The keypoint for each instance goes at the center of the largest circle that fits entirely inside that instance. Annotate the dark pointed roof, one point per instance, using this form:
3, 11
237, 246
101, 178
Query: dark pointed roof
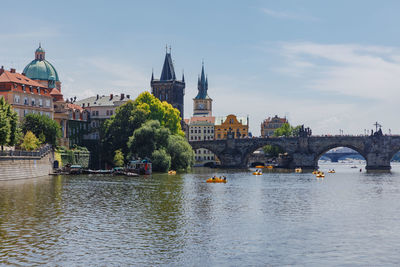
168, 72
202, 85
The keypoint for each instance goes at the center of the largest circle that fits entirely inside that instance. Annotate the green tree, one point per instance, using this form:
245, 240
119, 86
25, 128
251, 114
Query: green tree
167, 115
30, 141
151, 136
287, 130
116, 131
182, 155
118, 158
5, 129
42, 124
273, 151
161, 160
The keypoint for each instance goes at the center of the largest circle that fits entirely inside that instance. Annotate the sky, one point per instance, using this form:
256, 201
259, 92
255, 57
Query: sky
330, 65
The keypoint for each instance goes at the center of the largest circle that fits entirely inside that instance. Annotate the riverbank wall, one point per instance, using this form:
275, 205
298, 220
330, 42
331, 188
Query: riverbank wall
16, 167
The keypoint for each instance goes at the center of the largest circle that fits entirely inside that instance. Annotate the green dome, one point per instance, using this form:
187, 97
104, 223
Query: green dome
41, 70
40, 49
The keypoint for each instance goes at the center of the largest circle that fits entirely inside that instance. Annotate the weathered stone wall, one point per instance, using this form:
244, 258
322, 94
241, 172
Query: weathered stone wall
13, 168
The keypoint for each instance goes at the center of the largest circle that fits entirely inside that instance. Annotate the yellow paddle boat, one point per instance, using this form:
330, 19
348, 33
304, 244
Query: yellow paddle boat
259, 167
320, 175
270, 167
315, 172
171, 172
331, 171
216, 180
298, 170
257, 172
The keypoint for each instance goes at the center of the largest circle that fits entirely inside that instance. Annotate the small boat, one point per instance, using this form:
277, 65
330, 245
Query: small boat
331, 171
315, 172
216, 180
171, 172
354, 167
259, 167
270, 167
258, 172
320, 174
298, 170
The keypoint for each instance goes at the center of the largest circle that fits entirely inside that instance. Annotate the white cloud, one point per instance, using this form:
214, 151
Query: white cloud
362, 71
110, 75
287, 15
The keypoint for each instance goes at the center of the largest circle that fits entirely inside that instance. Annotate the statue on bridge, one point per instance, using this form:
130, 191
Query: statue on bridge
304, 132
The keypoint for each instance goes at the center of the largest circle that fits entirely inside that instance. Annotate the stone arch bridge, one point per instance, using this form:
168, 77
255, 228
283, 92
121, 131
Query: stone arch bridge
304, 152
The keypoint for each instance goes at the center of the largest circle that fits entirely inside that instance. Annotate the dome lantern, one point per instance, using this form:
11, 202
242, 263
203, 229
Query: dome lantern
39, 53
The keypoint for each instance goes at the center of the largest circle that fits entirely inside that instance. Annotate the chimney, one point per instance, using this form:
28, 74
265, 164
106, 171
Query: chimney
97, 97
128, 96
1, 70
122, 96
12, 70
83, 105
88, 104
111, 96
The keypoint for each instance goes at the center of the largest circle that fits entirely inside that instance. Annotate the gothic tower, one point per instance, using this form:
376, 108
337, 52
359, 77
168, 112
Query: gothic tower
168, 88
202, 103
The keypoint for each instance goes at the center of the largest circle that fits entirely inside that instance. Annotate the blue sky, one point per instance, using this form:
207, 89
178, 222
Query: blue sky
327, 64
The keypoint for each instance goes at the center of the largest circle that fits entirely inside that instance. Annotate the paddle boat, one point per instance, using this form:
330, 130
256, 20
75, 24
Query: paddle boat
270, 167
320, 175
331, 171
298, 170
171, 172
259, 167
216, 180
258, 172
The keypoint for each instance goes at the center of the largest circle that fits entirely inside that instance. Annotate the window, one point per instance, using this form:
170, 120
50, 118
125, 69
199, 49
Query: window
93, 113
47, 103
16, 98
40, 102
33, 101
38, 90
26, 101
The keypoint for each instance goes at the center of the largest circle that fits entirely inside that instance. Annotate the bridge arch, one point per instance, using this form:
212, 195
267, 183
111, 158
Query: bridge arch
249, 152
327, 148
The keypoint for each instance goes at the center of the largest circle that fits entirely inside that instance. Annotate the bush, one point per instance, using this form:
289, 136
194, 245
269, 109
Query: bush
118, 158
30, 141
42, 125
161, 160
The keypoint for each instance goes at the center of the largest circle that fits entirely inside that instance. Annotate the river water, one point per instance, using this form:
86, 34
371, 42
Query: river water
347, 218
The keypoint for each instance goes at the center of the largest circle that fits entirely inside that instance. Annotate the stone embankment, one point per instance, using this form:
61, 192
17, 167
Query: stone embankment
26, 165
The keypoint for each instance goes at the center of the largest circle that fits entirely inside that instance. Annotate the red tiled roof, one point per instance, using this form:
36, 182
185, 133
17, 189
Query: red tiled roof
74, 106
55, 92
8, 76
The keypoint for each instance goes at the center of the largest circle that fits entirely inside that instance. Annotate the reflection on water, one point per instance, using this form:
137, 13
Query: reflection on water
279, 218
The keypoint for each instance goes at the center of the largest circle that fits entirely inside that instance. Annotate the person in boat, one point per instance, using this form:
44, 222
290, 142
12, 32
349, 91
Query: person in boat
224, 178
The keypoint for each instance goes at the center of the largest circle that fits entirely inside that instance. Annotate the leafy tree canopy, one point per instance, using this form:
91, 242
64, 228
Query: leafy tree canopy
42, 125
287, 130
163, 148
9, 130
30, 141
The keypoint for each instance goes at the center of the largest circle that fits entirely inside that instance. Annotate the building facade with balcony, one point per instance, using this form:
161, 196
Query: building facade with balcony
25, 95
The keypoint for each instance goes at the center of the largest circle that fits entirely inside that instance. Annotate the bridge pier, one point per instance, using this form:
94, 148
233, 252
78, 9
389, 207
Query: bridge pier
378, 162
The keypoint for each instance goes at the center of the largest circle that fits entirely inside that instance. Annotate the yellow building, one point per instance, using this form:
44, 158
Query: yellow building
237, 126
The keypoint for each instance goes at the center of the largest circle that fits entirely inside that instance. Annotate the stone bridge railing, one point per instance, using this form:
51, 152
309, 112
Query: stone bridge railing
40, 153
305, 151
